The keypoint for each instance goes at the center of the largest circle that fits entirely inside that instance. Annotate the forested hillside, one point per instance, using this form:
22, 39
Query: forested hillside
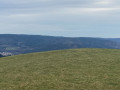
18, 44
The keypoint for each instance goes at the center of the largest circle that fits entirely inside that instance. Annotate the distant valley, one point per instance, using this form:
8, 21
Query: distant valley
12, 44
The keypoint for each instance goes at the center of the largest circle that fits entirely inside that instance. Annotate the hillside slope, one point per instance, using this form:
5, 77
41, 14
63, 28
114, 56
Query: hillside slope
18, 44
77, 69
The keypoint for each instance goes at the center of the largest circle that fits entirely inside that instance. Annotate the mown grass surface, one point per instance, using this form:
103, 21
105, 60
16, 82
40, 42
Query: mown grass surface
77, 69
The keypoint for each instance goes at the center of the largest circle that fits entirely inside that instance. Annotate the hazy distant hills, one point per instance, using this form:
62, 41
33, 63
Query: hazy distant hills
115, 39
17, 44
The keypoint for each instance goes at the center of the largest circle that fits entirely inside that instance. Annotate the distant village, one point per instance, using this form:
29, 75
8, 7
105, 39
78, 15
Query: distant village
4, 54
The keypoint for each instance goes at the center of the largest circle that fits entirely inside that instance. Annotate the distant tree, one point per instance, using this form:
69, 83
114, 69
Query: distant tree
1, 55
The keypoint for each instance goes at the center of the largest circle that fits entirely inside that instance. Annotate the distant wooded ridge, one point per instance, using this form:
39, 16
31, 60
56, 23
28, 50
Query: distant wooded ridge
18, 44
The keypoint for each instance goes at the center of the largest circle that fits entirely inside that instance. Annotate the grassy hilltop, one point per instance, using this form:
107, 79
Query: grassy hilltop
75, 69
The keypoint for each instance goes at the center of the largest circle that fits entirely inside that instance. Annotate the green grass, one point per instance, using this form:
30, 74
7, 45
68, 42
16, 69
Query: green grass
77, 69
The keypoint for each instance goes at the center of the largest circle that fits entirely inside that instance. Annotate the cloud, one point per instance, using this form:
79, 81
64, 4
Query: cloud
104, 2
53, 3
83, 16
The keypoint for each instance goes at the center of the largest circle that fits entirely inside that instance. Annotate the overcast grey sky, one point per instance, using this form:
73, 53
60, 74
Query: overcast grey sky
74, 18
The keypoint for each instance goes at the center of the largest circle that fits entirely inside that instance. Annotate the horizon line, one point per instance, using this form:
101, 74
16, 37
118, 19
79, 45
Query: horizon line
57, 35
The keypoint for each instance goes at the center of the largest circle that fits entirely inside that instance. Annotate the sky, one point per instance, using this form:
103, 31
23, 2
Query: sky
69, 18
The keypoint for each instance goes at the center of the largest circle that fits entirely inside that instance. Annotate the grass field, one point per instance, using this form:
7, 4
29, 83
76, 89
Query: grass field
77, 69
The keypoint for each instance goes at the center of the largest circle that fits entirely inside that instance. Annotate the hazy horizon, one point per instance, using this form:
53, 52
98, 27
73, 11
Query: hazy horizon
68, 18
58, 36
